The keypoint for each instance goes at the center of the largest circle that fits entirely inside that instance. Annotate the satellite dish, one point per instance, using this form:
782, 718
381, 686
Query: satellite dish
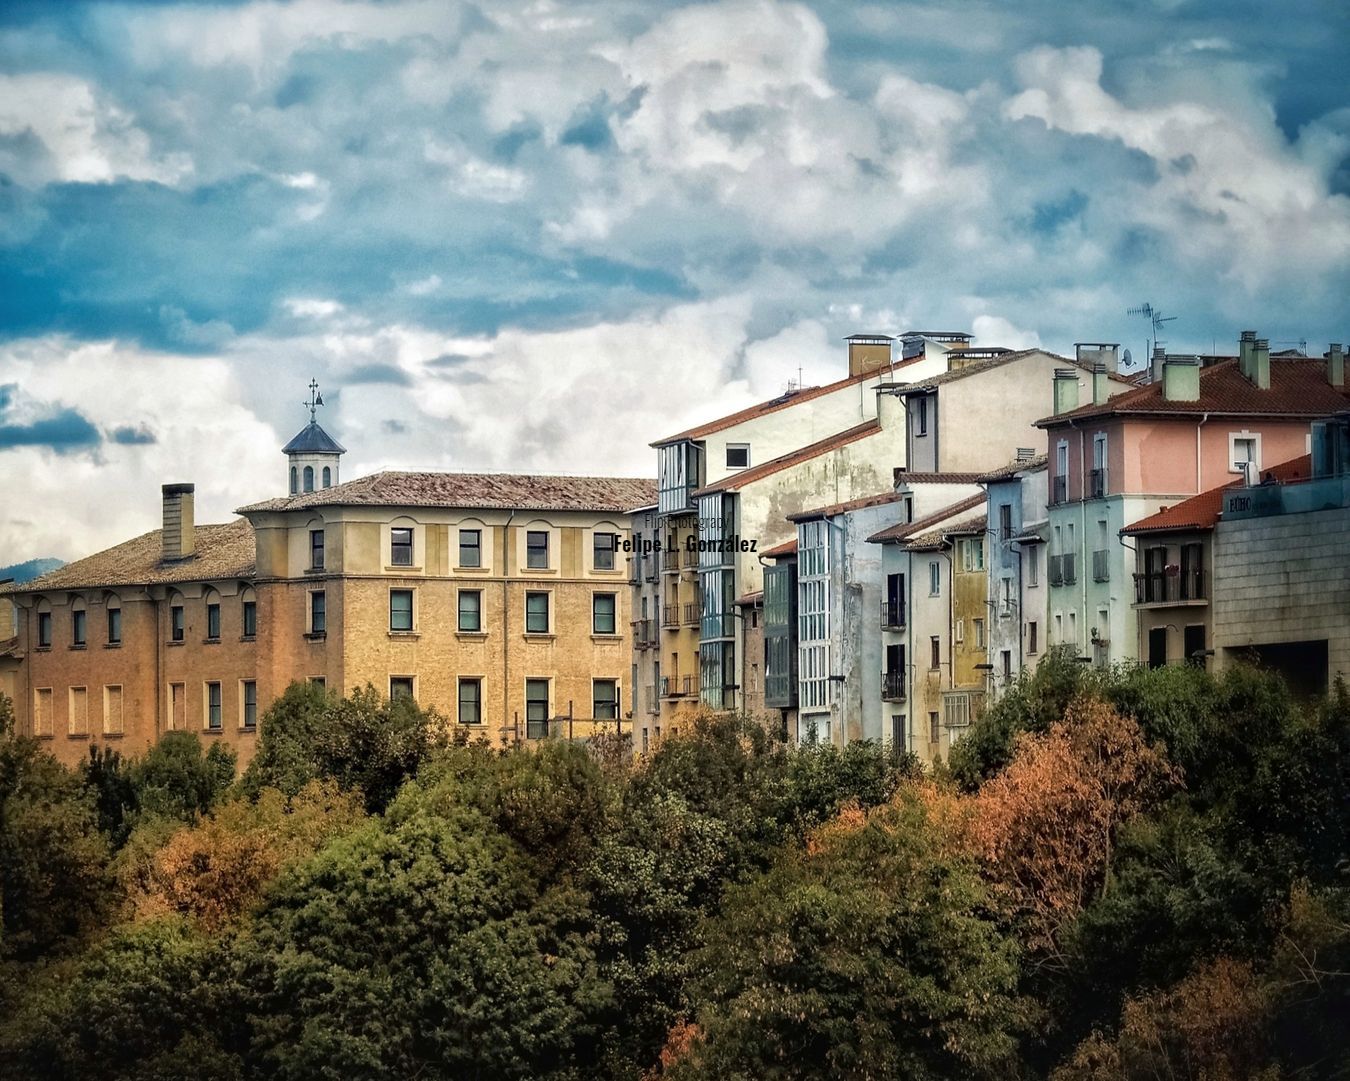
1126, 360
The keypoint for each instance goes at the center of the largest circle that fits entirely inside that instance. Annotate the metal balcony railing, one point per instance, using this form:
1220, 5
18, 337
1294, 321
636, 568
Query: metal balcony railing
892, 615
691, 614
670, 559
1101, 566
642, 633
670, 615
1096, 483
1160, 587
1059, 490
677, 686
892, 686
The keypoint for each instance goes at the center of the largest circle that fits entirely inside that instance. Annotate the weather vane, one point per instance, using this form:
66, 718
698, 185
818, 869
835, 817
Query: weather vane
315, 399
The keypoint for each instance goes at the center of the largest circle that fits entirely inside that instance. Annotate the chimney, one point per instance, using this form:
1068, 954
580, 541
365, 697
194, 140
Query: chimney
1090, 353
868, 353
1260, 373
1336, 366
1155, 369
179, 535
1100, 386
1065, 390
1181, 379
1246, 343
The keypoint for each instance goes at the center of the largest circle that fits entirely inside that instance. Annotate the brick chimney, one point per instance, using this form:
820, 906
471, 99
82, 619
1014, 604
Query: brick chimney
1260, 373
1065, 390
1181, 379
1336, 366
179, 534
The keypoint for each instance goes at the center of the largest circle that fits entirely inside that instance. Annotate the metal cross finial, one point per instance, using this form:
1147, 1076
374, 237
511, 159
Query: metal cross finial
315, 399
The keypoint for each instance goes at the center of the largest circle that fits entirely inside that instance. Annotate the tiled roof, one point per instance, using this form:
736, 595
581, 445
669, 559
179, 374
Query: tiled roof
905, 530
502, 491
830, 511
736, 481
313, 440
787, 548
936, 538
783, 401
1298, 388
222, 551
1201, 511
1007, 472
747, 599
9, 647
903, 476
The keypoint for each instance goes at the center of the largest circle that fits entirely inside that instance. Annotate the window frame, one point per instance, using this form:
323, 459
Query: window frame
318, 612
477, 613
114, 620
215, 710
934, 578
44, 630
935, 653
532, 683
408, 683
476, 547
548, 611
177, 623
79, 628
316, 549
400, 593
248, 710
532, 549
108, 697
213, 621
738, 447
613, 599
605, 544
476, 683
248, 619
614, 704
401, 552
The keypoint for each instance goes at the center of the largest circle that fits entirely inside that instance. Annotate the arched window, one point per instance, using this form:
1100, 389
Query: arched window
112, 604
309, 478
295, 480
327, 477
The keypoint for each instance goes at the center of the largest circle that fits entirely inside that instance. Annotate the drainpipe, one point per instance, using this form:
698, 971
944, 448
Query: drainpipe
1082, 524
506, 621
1199, 485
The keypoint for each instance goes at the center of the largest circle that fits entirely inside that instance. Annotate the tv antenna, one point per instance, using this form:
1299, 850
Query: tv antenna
1154, 316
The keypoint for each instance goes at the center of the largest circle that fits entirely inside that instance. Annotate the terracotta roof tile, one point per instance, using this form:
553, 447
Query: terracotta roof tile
936, 538
1298, 388
787, 548
879, 500
222, 551
748, 599
904, 530
1201, 511
1007, 472
476, 490
903, 476
736, 481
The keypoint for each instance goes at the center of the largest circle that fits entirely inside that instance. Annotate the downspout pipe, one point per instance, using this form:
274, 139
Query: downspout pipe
506, 623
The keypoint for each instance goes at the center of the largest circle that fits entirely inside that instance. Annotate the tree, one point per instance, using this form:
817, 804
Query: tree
177, 780
110, 778
868, 956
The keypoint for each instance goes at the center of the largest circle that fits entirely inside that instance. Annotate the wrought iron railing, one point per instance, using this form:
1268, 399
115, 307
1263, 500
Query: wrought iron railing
892, 615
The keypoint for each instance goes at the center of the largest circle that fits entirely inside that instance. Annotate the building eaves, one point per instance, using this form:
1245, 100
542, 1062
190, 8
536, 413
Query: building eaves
1013, 469
787, 548
1298, 388
747, 600
862, 503
312, 439
222, 552
737, 481
903, 531
476, 491
903, 476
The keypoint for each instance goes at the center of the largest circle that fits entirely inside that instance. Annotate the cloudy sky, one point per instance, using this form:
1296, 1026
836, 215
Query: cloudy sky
535, 236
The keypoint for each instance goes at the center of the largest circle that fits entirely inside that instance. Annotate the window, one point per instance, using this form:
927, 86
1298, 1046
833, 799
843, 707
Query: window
923, 414
327, 477
400, 609
309, 478
213, 707
316, 549
470, 547
176, 623
738, 455
77, 627
249, 703
1245, 455
934, 729
78, 721
602, 551
213, 622
318, 613
934, 578
1032, 630
400, 547
536, 548
112, 710
1006, 656
471, 610
470, 701
42, 711
44, 630
536, 613
935, 652
250, 619
1073, 628
972, 553
177, 706
400, 687
979, 633
1033, 559
606, 695
114, 626
536, 708
295, 481
602, 613
1005, 521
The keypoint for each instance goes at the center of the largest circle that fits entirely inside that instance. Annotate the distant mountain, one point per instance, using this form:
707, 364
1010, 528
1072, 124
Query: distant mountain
26, 572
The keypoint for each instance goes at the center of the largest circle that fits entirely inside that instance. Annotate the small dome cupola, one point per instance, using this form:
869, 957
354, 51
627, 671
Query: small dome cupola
312, 456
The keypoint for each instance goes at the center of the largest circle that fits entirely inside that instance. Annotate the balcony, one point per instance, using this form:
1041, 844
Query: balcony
670, 559
1160, 587
691, 614
1096, 484
1063, 570
892, 615
644, 637
780, 690
670, 615
677, 686
1059, 490
892, 686
1101, 566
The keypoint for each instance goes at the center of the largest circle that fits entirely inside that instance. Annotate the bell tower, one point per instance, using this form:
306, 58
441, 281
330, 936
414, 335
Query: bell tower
312, 456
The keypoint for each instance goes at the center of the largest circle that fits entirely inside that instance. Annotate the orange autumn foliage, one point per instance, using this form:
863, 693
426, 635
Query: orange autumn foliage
679, 1041
1045, 827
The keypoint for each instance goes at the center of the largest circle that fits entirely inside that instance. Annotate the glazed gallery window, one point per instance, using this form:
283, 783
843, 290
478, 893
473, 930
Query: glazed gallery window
400, 609
536, 549
470, 547
400, 547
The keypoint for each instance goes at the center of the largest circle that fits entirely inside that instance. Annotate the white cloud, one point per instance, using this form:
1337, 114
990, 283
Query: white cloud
475, 178
85, 137
994, 330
